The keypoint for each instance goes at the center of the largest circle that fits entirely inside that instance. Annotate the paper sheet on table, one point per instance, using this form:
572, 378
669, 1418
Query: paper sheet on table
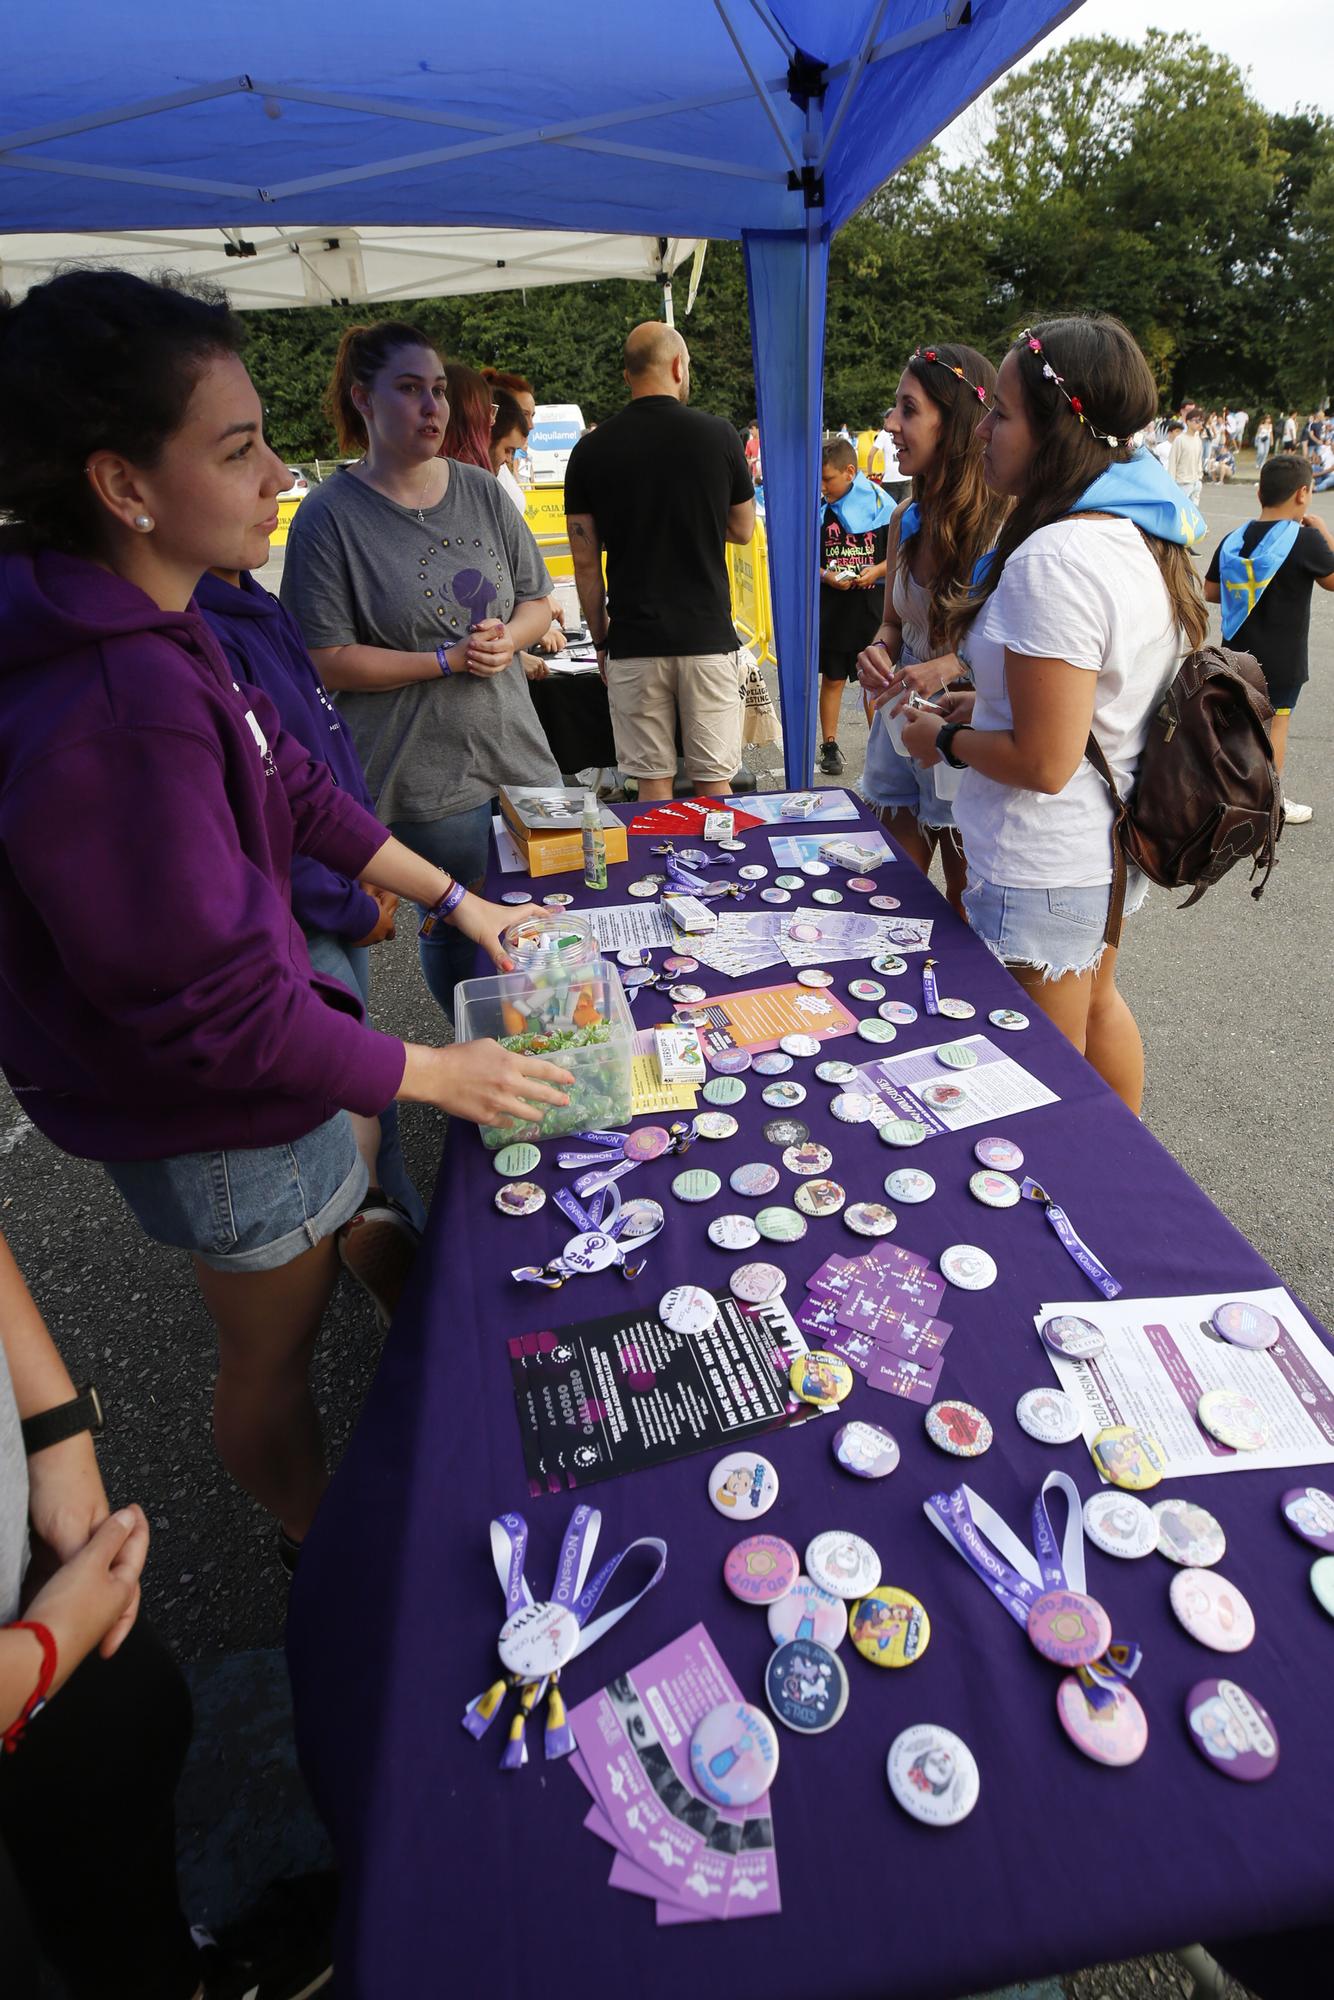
833, 805
1161, 1356
749, 941
622, 926
790, 850
950, 1100
648, 1092
508, 851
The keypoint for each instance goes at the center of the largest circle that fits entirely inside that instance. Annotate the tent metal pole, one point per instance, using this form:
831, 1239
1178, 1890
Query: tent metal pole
759, 88
850, 88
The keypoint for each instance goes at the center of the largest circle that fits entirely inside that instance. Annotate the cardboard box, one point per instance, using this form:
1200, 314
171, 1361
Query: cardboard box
680, 1058
545, 824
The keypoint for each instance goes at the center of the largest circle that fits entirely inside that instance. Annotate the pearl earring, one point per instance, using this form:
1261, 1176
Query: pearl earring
143, 522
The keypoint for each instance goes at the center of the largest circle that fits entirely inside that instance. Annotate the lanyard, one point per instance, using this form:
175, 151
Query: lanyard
1088, 1263
930, 997
596, 1247
574, 1594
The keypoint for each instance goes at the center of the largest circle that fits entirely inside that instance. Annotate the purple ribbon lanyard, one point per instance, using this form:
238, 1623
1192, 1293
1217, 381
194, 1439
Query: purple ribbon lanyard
930, 997
597, 1245
1088, 1263
509, 1546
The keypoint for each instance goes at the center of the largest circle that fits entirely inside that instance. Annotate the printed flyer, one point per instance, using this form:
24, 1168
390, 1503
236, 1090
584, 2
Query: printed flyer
1163, 1354
623, 1392
760, 1016
946, 1099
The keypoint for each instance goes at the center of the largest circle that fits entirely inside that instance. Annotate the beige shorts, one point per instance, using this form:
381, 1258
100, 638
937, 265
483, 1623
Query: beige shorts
647, 694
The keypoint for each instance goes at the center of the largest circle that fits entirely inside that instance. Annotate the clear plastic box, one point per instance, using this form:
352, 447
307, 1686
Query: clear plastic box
568, 1006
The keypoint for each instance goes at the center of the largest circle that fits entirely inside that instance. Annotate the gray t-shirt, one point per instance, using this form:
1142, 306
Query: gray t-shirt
361, 570
13, 1499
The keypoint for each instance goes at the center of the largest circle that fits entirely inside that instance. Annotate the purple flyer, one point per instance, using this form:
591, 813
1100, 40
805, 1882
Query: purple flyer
837, 1274
881, 1369
634, 1759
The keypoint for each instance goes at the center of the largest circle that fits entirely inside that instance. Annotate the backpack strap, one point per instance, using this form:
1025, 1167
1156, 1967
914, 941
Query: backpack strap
1116, 902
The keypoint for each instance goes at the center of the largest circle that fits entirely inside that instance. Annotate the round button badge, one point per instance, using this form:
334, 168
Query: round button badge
866, 989
715, 1125
752, 871
1000, 1153
1116, 1733
1234, 1418
819, 1197
1128, 1457
958, 1428
1069, 1627
679, 963
696, 1184
1009, 1018
870, 1218
786, 1131
687, 1309
1231, 1730
515, 1163
520, 1198
516, 896
885, 903
910, 1184
814, 975
866, 1450
968, 1267
863, 884
853, 1107
784, 1095
873, 1029
889, 1627
834, 1071
757, 1283
808, 1612
734, 1754
1078, 1338
807, 1156
789, 882
743, 1485
761, 1569
933, 1774
993, 1189
1188, 1534
1048, 1415
903, 1132
1120, 1525
826, 897
755, 1177
1212, 1610
733, 1232
557, 900
957, 1010
640, 1217
1322, 1583
899, 1013
842, 1563
806, 1686
640, 888
822, 1379
780, 1225
592, 1250
730, 1062
1309, 1512
957, 1055
889, 965
1245, 1325
800, 1045
538, 1640
775, 895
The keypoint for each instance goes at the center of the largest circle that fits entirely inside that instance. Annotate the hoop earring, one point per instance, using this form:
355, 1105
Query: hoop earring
144, 522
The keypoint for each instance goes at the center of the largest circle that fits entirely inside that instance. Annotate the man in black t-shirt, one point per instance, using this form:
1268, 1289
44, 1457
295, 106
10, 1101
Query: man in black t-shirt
662, 489
854, 535
1278, 595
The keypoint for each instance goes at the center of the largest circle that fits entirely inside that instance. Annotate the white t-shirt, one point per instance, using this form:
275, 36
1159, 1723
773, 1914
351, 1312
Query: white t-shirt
889, 458
509, 484
1091, 593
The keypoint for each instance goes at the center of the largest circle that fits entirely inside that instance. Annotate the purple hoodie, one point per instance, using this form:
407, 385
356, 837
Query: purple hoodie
263, 645
156, 995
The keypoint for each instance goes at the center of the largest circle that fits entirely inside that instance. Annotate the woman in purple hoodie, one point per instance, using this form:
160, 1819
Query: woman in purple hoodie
158, 1009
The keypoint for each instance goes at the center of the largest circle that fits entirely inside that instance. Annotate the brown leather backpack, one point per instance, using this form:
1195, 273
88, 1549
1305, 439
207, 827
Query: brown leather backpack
1206, 794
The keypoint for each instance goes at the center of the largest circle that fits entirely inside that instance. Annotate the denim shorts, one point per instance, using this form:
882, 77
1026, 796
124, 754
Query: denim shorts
250, 1210
1051, 931
895, 783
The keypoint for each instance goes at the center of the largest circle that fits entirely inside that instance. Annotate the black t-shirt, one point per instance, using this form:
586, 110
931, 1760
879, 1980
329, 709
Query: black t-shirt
1278, 628
849, 619
659, 479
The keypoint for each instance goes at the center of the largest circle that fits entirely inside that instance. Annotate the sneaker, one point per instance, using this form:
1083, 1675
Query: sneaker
831, 758
378, 1248
1296, 815
282, 1949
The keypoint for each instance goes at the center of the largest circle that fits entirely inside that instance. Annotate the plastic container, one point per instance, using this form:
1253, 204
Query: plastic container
562, 1001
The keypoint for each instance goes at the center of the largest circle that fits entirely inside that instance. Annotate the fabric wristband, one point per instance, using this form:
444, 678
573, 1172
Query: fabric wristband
441, 911
36, 1701
442, 661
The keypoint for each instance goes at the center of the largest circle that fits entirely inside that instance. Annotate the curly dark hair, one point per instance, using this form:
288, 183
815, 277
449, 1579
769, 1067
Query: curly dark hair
135, 347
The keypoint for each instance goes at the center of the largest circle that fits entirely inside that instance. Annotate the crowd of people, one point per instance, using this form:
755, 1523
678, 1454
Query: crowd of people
212, 802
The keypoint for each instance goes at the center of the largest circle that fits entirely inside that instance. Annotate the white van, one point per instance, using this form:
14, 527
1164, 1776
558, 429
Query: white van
557, 428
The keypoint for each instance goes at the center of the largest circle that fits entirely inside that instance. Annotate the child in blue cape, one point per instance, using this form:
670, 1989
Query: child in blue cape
854, 532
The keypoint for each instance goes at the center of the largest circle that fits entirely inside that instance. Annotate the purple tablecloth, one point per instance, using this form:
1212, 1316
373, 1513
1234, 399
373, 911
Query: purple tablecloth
460, 1879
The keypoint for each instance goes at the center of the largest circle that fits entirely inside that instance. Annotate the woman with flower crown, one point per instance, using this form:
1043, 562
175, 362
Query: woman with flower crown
1077, 625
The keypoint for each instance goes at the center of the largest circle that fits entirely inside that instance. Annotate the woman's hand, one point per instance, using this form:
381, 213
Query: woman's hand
552, 640
387, 903
876, 669
535, 669
483, 922
835, 579
919, 735
927, 678
490, 648
482, 1081
93, 1599
67, 1501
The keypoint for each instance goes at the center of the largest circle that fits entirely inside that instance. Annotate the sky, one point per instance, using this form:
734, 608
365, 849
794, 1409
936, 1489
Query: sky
1286, 48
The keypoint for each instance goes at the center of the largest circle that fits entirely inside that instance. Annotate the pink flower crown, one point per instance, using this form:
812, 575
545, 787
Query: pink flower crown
1030, 340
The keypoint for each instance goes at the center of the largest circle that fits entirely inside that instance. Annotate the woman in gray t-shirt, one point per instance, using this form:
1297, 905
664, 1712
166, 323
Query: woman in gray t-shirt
416, 585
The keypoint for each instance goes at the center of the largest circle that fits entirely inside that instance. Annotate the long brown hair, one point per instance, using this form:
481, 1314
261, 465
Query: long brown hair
468, 432
961, 516
362, 352
1101, 366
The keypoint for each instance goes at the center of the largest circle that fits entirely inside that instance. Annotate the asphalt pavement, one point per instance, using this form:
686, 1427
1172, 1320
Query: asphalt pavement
1233, 1000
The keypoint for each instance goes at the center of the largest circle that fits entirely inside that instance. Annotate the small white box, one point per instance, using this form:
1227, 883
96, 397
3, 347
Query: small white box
689, 914
799, 805
854, 855
680, 1057
719, 825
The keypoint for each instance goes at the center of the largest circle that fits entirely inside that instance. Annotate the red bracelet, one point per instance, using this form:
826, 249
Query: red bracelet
36, 1701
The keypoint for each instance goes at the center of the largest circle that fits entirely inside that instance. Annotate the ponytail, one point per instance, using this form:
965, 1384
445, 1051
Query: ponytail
362, 352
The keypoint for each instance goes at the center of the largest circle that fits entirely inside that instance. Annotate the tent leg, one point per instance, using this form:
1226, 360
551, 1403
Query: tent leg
786, 275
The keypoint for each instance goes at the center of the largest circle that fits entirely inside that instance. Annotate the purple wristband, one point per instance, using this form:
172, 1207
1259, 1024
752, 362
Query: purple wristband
439, 912
442, 661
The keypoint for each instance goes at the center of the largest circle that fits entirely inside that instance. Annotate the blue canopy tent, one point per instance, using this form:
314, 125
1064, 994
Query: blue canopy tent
767, 121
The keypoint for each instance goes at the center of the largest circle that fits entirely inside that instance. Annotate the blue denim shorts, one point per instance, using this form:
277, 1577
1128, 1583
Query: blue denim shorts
1051, 931
248, 1210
